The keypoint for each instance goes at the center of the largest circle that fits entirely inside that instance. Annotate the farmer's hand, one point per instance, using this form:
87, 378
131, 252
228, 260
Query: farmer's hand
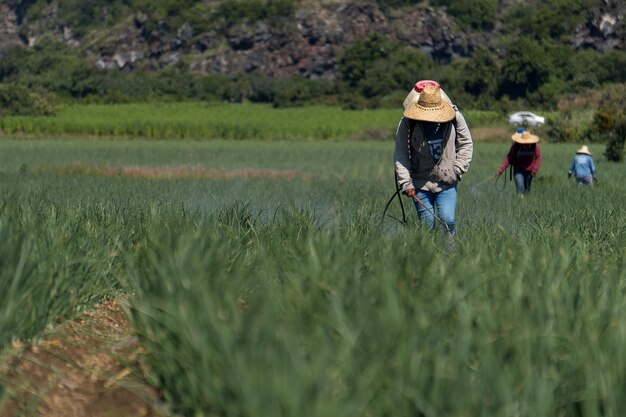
410, 192
569, 175
533, 174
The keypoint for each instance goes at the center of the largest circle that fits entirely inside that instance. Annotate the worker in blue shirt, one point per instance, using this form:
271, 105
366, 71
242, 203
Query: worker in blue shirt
583, 167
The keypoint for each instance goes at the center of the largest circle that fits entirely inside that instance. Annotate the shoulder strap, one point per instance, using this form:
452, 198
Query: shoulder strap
456, 109
412, 124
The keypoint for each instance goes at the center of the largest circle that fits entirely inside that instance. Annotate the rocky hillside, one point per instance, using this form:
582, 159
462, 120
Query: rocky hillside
306, 42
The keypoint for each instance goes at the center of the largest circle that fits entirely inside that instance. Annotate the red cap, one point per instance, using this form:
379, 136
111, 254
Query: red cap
419, 86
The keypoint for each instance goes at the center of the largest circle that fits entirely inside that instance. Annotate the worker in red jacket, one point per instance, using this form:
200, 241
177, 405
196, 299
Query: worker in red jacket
525, 158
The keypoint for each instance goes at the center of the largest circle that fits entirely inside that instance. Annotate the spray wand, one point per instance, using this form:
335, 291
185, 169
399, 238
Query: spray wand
421, 203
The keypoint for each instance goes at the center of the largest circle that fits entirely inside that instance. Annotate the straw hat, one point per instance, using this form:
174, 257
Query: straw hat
584, 150
524, 137
430, 107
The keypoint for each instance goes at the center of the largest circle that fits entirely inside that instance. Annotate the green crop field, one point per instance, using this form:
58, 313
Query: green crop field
195, 120
261, 283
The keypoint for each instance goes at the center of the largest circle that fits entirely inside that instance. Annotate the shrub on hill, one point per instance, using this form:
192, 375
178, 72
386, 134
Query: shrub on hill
20, 101
548, 19
476, 14
378, 65
50, 65
565, 128
475, 72
233, 12
78, 15
525, 67
609, 122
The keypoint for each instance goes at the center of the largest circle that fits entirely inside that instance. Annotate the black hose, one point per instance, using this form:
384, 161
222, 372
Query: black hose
395, 194
500, 188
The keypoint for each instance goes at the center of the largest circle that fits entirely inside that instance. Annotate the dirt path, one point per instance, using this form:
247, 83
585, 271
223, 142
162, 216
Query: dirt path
86, 367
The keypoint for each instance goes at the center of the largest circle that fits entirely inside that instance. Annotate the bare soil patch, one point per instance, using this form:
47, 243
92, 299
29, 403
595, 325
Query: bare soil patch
87, 367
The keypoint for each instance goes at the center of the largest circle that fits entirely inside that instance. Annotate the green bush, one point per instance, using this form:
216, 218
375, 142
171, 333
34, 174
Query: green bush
378, 65
233, 12
16, 100
583, 70
551, 19
549, 92
399, 71
357, 57
393, 4
609, 121
564, 128
610, 66
161, 8
477, 73
525, 67
81, 16
475, 14
52, 66
296, 91
209, 87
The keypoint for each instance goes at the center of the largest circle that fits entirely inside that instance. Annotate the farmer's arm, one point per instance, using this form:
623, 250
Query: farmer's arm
401, 155
464, 146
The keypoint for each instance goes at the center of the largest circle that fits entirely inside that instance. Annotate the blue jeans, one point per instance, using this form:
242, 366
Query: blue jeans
523, 180
445, 204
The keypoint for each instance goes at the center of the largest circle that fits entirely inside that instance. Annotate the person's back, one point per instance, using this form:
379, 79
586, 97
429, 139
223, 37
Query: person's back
583, 167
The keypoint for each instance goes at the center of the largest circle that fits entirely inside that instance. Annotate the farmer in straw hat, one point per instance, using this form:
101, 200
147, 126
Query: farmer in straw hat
433, 150
582, 167
525, 157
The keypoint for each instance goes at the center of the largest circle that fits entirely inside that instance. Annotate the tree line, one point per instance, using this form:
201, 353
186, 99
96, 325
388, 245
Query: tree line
529, 63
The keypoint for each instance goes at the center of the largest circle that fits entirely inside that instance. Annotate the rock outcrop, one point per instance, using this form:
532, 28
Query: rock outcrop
9, 27
308, 44
604, 30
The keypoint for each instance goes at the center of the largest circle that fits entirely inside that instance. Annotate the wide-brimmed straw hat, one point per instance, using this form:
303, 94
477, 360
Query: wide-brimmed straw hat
584, 150
430, 106
524, 137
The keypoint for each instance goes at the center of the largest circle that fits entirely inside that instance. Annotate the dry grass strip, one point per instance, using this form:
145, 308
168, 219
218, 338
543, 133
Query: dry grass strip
169, 172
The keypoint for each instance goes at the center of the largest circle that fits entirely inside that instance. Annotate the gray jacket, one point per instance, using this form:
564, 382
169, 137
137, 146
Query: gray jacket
419, 171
